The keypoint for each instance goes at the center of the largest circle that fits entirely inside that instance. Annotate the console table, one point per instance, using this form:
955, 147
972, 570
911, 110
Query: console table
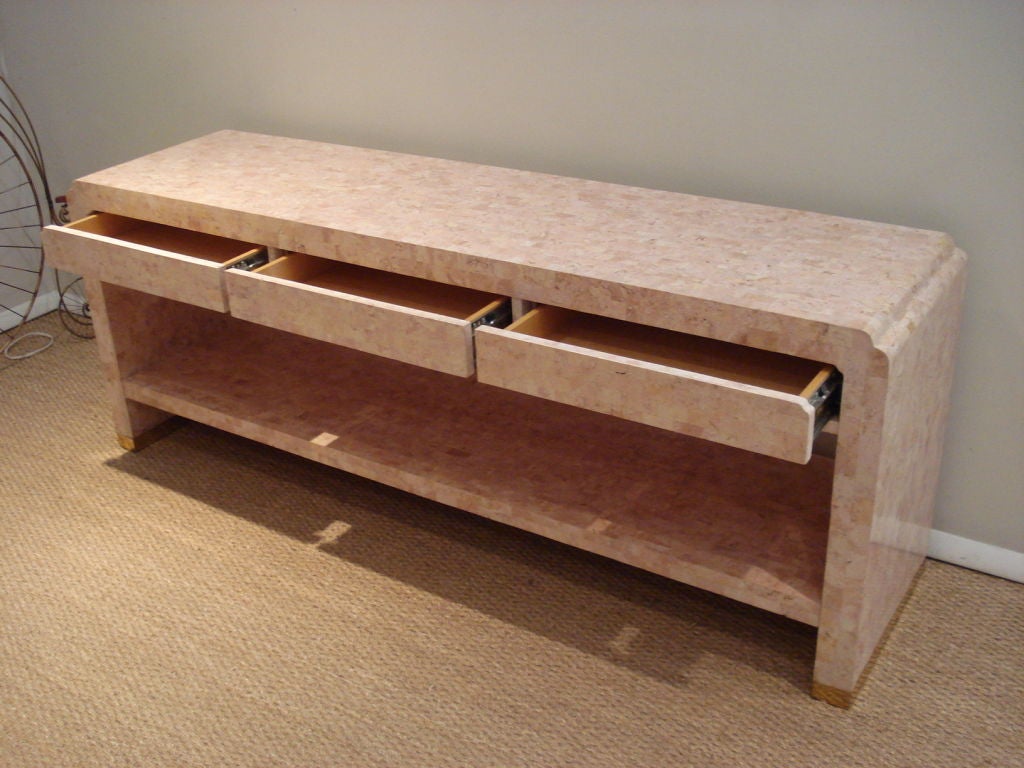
746, 399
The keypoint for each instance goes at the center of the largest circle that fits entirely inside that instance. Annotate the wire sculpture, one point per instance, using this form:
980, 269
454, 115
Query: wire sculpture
26, 206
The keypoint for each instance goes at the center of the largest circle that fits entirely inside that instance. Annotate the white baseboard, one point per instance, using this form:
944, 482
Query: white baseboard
45, 302
977, 556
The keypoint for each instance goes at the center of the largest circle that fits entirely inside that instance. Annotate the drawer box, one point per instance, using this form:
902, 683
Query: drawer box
405, 318
154, 258
761, 401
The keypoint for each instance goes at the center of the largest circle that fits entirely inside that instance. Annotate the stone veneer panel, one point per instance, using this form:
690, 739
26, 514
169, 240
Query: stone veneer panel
878, 301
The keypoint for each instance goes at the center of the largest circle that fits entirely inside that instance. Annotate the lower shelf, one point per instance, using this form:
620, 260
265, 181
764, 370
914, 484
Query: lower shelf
735, 523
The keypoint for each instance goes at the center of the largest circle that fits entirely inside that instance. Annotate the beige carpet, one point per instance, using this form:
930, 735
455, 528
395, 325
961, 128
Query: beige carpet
213, 602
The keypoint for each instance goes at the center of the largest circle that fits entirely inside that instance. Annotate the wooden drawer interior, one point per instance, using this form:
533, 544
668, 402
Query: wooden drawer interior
199, 245
451, 301
765, 402
696, 354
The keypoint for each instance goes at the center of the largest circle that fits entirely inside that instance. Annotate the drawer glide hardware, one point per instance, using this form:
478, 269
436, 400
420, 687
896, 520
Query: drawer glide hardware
499, 317
826, 400
250, 263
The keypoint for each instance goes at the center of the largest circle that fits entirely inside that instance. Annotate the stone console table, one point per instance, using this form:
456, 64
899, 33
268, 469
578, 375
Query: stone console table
746, 399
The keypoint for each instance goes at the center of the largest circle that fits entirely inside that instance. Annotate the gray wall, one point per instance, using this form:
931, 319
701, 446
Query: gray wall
906, 112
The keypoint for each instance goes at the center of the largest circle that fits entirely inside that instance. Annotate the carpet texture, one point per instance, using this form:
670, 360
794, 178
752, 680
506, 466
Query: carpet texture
213, 602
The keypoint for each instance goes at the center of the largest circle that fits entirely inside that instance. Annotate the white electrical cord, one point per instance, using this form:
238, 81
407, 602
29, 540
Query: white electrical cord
9, 346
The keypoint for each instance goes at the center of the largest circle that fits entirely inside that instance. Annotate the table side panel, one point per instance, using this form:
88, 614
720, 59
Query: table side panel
887, 467
922, 361
132, 328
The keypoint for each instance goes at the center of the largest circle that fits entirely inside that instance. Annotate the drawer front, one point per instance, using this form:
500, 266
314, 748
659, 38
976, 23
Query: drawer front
751, 417
153, 258
427, 339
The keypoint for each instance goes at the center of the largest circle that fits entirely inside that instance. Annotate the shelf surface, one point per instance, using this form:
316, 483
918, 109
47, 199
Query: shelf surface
729, 521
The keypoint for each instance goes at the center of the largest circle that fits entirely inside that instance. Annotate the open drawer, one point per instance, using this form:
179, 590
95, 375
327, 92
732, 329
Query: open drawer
765, 402
154, 258
404, 318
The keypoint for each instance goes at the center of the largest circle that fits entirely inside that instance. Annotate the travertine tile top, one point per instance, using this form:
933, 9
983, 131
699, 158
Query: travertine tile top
587, 244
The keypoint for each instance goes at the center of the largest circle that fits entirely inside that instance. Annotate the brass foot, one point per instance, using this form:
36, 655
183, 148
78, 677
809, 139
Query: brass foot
833, 696
150, 436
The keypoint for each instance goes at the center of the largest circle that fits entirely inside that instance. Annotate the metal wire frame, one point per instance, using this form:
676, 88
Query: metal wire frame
19, 136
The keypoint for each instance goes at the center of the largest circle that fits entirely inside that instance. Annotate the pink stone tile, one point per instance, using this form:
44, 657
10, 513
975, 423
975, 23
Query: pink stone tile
880, 302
